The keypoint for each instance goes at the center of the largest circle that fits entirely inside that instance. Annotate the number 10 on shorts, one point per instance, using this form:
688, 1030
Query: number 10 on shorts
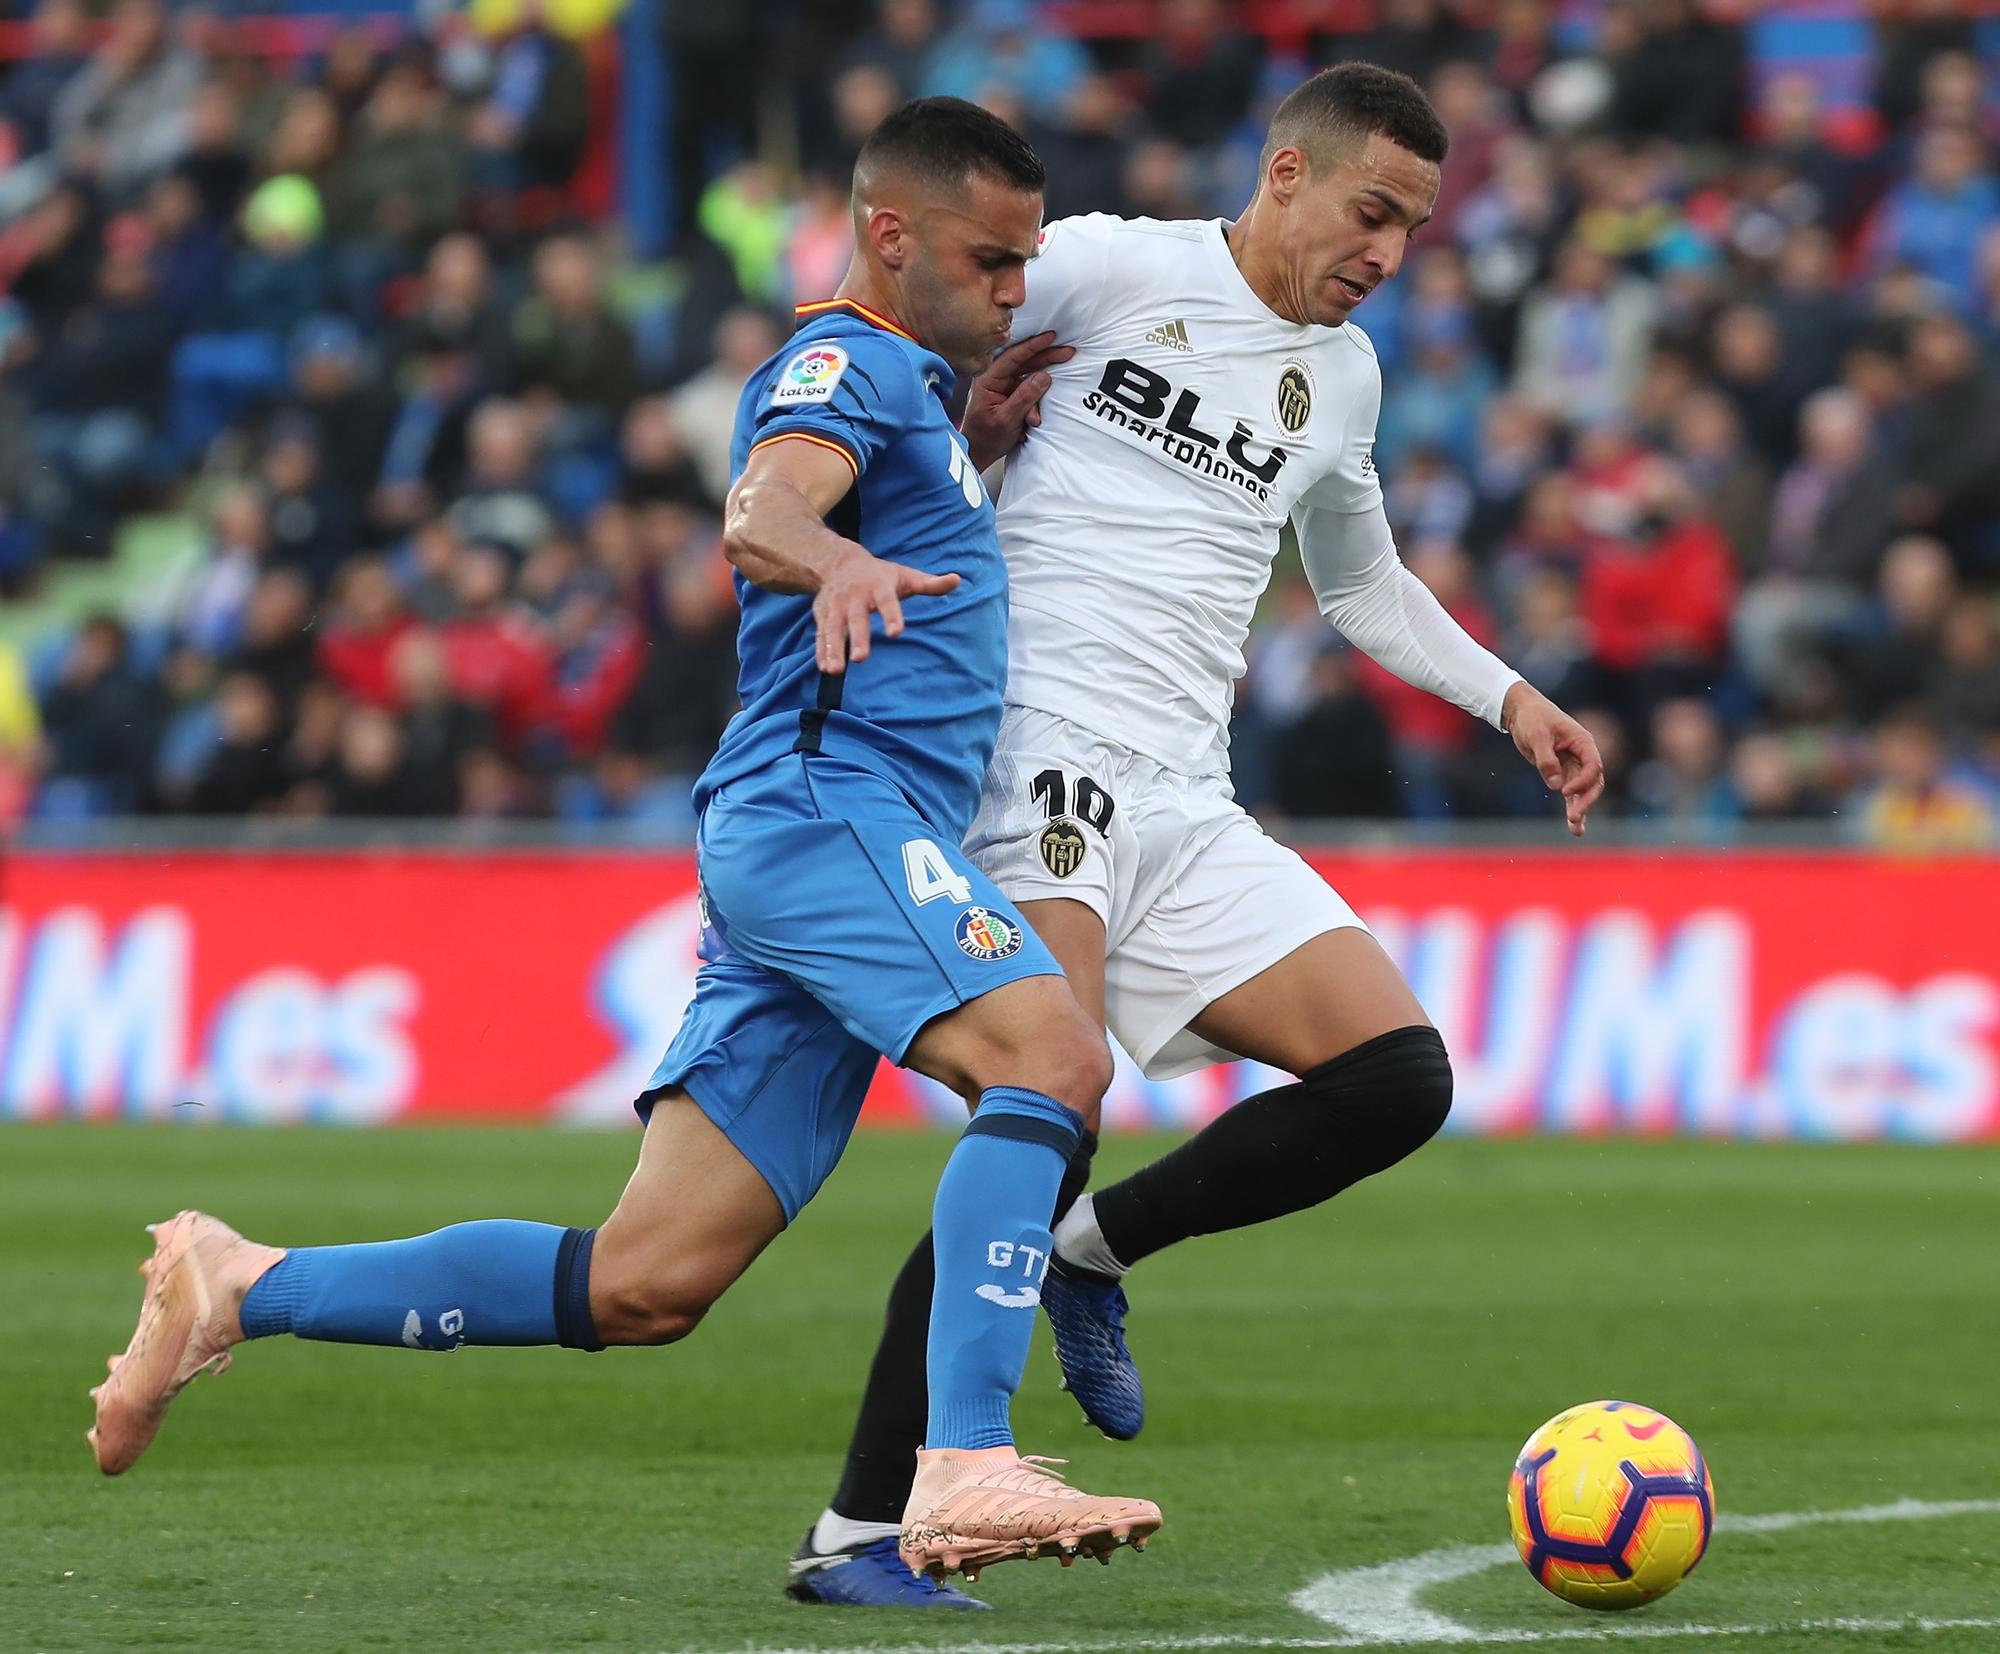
930, 876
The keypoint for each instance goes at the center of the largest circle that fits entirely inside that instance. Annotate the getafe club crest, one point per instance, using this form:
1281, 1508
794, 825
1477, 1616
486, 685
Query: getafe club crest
1295, 397
1063, 846
986, 935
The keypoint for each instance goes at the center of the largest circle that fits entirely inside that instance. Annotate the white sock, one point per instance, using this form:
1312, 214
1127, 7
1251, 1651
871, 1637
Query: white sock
1081, 1242
834, 1532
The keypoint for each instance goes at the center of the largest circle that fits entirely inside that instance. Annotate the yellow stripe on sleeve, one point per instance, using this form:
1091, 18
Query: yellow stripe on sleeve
817, 441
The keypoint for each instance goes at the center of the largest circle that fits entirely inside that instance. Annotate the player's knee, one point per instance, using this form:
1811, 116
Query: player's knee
1071, 1063
647, 1313
1049, 1044
1428, 1097
1085, 1057
1393, 1093
634, 1303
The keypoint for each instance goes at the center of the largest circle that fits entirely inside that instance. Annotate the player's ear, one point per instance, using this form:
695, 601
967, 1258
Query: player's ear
1288, 172
889, 235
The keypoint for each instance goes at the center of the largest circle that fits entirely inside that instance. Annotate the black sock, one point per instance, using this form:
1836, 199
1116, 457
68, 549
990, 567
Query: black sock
882, 1457
1284, 1150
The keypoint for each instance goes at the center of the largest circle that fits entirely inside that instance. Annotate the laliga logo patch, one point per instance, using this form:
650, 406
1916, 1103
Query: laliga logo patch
1063, 846
815, 365
810, 376
986, 935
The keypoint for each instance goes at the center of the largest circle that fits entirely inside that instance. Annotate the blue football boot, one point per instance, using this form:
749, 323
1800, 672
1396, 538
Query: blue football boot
1088, 1313
869, 1575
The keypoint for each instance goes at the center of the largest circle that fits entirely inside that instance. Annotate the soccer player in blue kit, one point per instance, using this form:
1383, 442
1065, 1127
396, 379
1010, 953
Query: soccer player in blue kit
842, 920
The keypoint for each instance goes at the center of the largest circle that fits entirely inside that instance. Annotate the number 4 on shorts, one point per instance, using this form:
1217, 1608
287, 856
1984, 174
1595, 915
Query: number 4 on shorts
930, 875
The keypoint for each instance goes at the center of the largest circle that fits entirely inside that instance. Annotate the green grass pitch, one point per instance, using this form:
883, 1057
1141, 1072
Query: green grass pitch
1340, 1390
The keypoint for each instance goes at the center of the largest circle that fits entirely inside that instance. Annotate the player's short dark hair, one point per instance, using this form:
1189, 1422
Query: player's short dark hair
943, 142
1350, 103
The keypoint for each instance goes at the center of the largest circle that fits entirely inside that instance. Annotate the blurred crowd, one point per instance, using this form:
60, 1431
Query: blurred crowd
1691, 400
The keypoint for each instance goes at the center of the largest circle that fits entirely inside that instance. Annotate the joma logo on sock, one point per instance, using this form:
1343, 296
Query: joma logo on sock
451, 1325
1034, 1263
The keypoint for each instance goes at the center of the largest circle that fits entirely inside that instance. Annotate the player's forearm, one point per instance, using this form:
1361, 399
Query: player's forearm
1385, 611
775, 538
1394, 619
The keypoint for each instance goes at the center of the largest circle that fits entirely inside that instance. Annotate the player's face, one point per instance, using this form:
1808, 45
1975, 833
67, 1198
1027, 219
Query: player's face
1348, 225
967, 273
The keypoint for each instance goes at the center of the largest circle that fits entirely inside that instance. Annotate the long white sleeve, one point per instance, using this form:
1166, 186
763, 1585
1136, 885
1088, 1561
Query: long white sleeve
1384, 610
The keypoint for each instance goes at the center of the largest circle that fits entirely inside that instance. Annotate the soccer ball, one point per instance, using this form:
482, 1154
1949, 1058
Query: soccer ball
1610, 1504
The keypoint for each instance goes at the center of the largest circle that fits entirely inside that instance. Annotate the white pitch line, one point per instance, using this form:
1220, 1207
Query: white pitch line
1582, 1633
1903, 1510
1379, 1604
1376, 1607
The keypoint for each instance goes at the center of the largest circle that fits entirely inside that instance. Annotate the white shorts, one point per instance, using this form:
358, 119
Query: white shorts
1196, 898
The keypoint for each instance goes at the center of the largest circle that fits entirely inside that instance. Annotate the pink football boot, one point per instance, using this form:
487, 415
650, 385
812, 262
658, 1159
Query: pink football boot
971, 1508
195, 1281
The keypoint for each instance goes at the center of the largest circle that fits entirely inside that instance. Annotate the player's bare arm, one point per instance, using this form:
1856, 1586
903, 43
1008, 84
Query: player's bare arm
1005, 402
774, 530
1563, 752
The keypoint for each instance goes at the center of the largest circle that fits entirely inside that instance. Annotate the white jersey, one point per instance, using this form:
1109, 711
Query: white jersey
1140, 521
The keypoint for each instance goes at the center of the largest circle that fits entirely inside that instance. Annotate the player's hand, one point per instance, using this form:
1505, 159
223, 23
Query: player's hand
1561, 749
857, 588
1005, 402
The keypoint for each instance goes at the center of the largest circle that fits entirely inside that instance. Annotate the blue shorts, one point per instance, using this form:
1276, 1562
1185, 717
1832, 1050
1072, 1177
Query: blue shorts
840, 923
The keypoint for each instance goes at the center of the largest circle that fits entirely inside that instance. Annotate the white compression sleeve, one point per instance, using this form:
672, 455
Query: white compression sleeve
1384, 610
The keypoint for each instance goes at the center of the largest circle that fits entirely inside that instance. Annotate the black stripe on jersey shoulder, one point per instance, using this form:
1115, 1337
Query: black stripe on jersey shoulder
862, 374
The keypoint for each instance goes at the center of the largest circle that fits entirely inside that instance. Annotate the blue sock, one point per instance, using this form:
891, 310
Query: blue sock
495, 1282
991, 1229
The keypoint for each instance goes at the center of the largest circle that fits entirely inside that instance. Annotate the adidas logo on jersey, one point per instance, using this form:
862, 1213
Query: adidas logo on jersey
1173, 335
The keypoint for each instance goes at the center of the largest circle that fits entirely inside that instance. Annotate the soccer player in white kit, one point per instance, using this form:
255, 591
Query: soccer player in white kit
1190, 387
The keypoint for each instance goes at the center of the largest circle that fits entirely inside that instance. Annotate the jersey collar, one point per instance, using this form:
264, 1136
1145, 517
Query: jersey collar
820, 307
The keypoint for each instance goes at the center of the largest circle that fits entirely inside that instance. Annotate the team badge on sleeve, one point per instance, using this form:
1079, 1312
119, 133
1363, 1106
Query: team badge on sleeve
1063, 846
810, 376
985, 935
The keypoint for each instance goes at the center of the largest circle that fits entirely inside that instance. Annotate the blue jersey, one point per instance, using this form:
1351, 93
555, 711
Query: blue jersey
923, 710
843, 916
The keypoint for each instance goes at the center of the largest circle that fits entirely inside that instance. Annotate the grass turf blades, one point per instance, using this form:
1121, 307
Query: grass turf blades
1340, 1389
